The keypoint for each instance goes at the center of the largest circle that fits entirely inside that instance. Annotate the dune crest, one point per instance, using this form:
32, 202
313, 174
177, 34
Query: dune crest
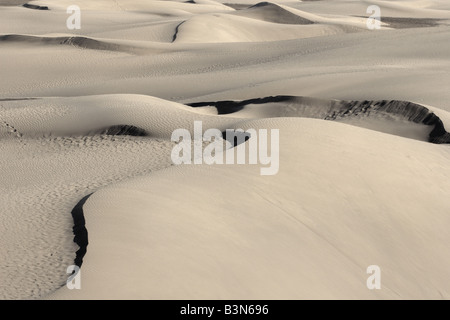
390, 113
271, 12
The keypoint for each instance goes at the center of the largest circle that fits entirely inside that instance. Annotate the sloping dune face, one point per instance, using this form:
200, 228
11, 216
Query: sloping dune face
304, 233
263, 21
356, 123
401, 118
271, 12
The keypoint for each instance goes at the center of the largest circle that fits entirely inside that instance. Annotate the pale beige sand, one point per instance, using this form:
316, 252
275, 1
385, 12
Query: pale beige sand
345, 198
369, 190
12, 2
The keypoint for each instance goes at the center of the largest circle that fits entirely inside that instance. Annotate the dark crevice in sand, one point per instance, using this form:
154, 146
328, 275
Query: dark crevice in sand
229, 106
410, 111
271, 12
341, 109
235, 137
35, 7
438, 135
176, 31
80, 231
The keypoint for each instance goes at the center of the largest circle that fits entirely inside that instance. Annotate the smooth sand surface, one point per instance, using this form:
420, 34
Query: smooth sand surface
12, 2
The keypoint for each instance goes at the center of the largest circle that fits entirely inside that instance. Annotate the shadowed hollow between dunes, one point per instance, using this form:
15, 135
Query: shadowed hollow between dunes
340, 109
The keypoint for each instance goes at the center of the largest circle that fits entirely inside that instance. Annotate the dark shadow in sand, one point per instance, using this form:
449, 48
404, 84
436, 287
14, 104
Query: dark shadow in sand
17, 99
412, 112
228, 106
340, 109
235, 138
177, 29
123, 130
35, 7
80, 231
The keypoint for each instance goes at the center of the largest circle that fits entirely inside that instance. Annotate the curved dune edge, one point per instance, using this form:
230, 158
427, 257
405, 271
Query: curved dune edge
339, 110
36, 210
261, 22
158, 117
75, 41
138, 115
80, 231
303, 248
271, 12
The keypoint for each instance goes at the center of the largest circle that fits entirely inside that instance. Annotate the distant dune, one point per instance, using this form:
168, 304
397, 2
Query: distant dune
271, 12
12, 2
391, 116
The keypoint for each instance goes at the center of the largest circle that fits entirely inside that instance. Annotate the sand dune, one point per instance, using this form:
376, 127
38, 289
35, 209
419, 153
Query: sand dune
382, 68
290, 24
153, 6
72, 133
397, 8
37, 239
401, 118
273, 240
87, 116
80, 116
135, 115
230, 28
80, 42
